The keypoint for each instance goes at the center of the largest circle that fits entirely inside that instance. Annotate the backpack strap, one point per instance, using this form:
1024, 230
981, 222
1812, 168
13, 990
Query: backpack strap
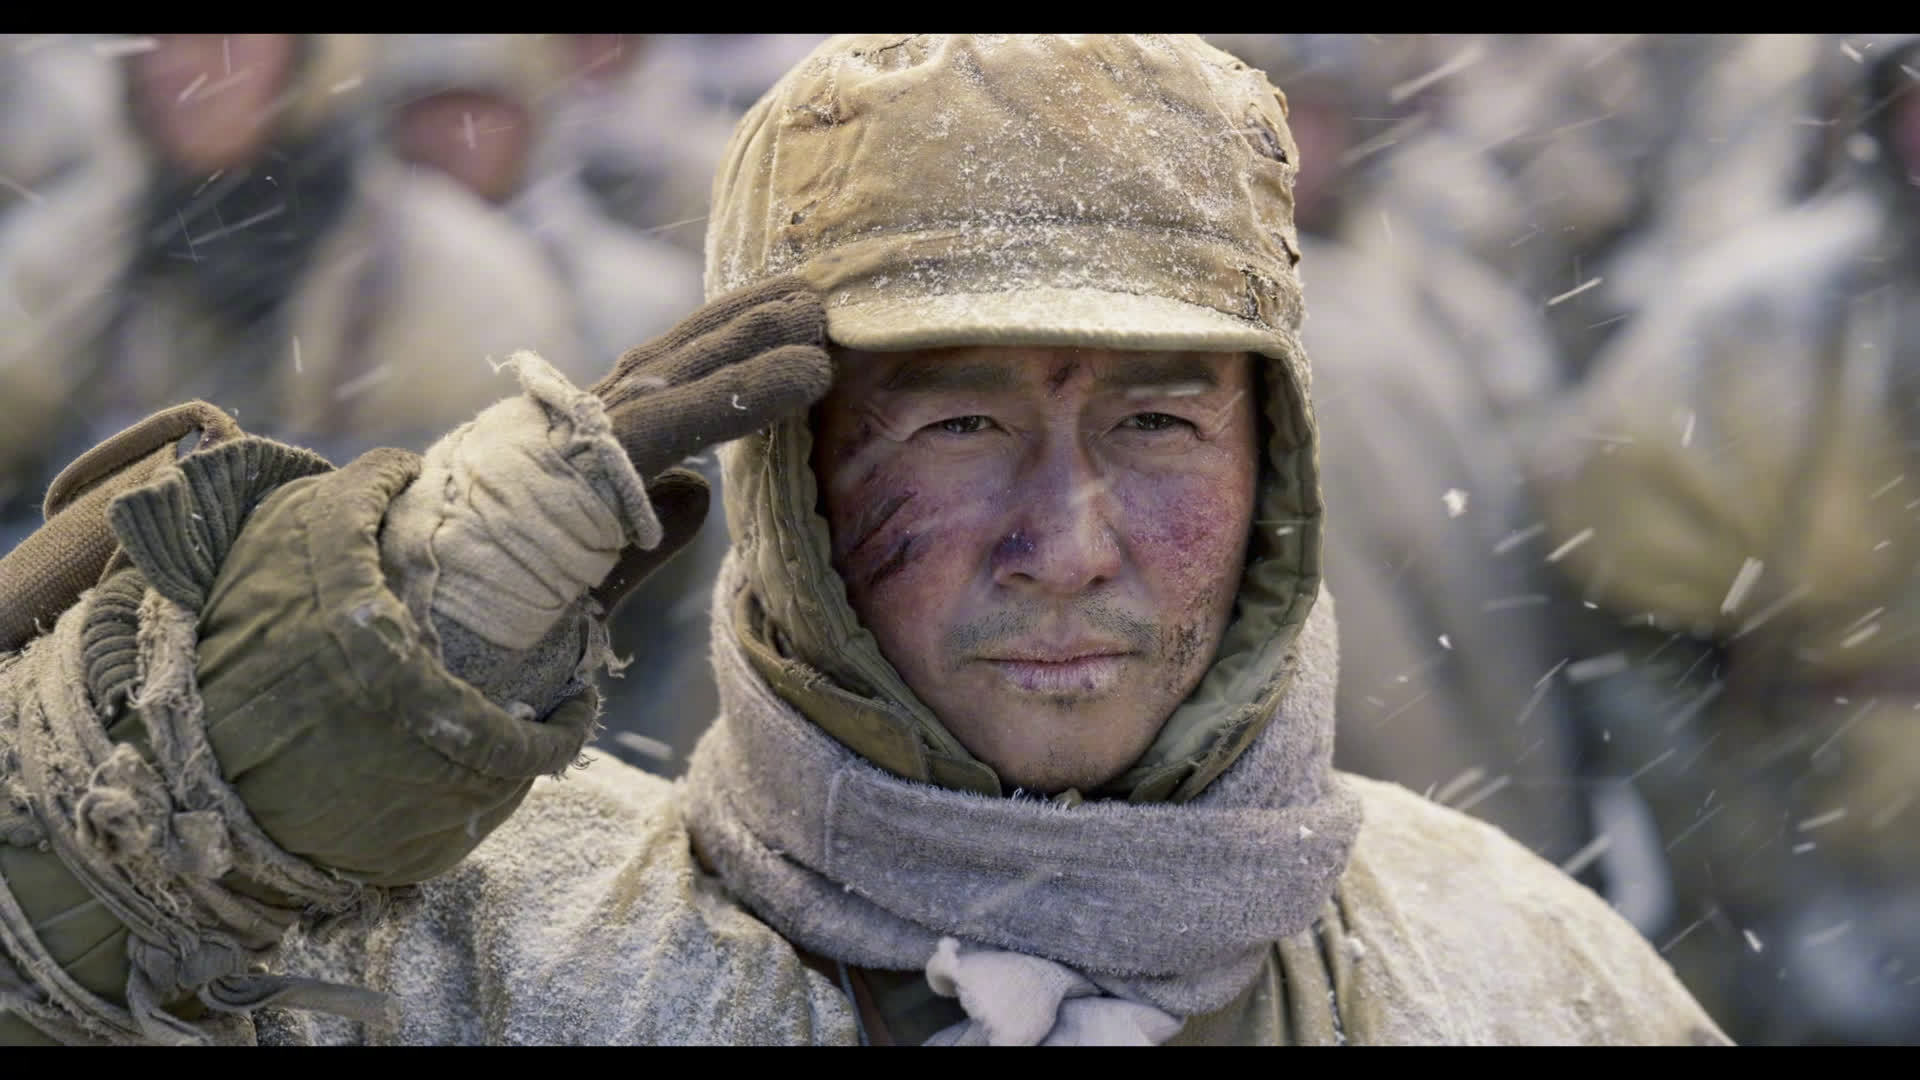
43, 575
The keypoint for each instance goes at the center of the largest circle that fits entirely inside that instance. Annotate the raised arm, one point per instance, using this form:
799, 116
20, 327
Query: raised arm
296, 690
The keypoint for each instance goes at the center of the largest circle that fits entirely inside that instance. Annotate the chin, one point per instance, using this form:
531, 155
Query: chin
1052, 769
1062, 739
1051, 786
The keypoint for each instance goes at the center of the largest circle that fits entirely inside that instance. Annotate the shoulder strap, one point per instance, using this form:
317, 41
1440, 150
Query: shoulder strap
47, 572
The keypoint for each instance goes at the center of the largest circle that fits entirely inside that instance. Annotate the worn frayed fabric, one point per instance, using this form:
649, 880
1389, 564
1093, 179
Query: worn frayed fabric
47, 572
586, 919
321, 689
106, 740
170, 758
153, 839
518, 512
583, 920
1172, 905
178, 527
1149, 173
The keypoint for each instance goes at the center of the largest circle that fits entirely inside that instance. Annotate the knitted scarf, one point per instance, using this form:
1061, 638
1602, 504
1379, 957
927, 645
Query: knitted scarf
1169, 905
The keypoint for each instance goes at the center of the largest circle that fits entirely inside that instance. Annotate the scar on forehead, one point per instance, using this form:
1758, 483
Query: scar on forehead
1061, 373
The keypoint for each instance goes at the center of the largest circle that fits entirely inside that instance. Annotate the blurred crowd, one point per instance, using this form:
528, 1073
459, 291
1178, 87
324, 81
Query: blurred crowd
1616, 350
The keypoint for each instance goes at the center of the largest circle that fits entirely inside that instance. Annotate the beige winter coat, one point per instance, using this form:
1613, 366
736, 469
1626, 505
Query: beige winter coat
585, 919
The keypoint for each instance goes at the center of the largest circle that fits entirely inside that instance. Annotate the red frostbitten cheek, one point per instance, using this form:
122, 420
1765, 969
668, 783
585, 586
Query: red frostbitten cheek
1186, 534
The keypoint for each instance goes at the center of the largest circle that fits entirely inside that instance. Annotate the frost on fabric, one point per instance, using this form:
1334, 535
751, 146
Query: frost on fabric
1019, 181
581, 920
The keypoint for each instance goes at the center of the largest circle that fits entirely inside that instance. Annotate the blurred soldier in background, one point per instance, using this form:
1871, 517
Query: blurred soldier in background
1741, 112
1733, 488
604, 157
303, 206
327, 235
1546, 159
1530, 161
321, 236
1448, 680
429, 270
71, 172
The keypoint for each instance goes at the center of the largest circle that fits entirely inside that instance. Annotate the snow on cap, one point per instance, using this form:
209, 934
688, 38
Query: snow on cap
1131, 192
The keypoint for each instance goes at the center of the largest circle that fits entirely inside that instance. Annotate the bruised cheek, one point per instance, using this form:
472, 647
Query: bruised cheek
898, 529
1187, 536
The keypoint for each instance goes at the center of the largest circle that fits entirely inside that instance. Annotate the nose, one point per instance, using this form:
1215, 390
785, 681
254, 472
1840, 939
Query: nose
1061, 538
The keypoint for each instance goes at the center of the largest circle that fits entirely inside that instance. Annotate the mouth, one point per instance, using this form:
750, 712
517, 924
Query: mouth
1076, 670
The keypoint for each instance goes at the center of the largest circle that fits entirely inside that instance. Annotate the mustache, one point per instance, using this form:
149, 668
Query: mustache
971, 638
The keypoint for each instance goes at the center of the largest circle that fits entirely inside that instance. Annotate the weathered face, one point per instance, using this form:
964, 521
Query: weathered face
1046, 543
205, 100
481, 140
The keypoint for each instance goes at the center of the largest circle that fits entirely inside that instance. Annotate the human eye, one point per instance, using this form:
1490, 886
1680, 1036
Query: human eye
1154, 421
972, 424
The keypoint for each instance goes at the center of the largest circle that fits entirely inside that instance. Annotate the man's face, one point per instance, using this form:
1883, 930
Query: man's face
206, 100
1045, 542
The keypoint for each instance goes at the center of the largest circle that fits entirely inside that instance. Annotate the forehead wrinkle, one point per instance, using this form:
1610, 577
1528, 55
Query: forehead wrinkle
1136, 371
1124, 371
938, 376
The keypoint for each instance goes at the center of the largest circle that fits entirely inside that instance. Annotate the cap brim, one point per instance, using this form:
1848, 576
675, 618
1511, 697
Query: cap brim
1084, 318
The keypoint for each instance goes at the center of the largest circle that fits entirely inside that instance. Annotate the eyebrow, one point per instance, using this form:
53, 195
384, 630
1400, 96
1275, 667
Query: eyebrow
950, 376
1126, 372
1146, 370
